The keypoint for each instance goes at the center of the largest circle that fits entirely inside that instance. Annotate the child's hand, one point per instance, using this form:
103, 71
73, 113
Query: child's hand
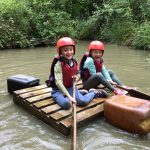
76, 78
112, 82
72, 100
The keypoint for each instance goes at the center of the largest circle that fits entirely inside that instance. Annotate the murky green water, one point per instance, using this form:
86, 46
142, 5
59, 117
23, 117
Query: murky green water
21, 131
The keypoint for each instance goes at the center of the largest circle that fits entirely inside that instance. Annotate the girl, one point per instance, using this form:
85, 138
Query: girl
93, 71
63, 68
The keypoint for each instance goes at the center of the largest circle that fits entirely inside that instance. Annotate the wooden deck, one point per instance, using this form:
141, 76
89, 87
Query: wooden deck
38, 101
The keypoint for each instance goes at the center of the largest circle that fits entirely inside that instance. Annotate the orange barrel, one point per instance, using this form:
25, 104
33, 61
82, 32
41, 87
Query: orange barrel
128, 113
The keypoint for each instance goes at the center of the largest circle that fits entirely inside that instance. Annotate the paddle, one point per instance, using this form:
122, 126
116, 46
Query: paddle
135, 93
74, 120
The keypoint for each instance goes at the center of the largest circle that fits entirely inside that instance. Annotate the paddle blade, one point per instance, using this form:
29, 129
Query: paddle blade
138, 94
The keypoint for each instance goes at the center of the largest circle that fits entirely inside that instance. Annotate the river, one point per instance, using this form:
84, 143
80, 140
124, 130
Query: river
19, 130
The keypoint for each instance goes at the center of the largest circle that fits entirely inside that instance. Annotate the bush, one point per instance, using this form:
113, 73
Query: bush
122, 32
27, 23
141, 38
53, 25
14, 24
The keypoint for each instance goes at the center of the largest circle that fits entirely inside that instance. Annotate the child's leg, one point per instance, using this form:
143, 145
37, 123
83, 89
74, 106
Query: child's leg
61, 99
95, 80
92, 82
81, 99
114, 77
84, 99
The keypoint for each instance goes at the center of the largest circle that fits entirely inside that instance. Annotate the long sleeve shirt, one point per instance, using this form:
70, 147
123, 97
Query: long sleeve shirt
59, 78
89, 64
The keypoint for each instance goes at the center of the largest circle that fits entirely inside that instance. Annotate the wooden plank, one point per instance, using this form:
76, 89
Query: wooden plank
39, 102
35, 93
78, 84
51, 109
29, 89
34, 111
59, 115
44, 103
38, 98
84, 115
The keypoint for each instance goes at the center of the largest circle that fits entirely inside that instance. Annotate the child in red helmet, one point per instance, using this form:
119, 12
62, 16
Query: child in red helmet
93, 71
63, 68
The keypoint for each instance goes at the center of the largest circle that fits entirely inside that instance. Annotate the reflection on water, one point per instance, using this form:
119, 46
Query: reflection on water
21, 131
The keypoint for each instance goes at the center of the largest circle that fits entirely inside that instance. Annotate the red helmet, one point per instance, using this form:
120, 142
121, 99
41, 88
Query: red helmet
97, 45
65, 41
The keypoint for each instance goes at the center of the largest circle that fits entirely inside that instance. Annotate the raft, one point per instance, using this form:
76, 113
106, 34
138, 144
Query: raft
38, 101
126, 112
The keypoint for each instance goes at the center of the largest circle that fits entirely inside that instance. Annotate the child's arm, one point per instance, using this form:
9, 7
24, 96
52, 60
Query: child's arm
89, 64
59, 81
77, 75
59, 78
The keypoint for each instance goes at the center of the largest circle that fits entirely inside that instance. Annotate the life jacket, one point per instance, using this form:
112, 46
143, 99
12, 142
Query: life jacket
67, 72
84, 72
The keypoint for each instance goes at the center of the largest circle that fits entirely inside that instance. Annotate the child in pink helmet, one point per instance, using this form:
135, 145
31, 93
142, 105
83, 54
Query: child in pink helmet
93, 71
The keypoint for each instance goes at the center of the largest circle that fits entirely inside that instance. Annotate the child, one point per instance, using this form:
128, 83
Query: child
63, 68
93, 71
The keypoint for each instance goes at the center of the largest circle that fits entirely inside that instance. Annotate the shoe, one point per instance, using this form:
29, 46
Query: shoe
99, 93
120, 92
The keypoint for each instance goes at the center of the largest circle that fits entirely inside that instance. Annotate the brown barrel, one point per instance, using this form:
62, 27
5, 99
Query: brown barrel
128, 113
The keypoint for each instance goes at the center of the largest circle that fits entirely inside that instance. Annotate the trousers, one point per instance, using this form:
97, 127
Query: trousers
97, 79
64, 102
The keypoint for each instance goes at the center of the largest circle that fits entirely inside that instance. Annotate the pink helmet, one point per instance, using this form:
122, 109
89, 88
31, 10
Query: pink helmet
96, 45
65, 41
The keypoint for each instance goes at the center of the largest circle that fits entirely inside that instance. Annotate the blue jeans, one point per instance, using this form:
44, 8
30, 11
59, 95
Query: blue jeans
64, 102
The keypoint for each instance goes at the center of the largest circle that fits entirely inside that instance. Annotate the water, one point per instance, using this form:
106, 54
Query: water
19, 130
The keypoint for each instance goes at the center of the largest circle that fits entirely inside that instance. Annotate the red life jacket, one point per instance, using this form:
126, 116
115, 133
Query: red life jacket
85, 74
67, 72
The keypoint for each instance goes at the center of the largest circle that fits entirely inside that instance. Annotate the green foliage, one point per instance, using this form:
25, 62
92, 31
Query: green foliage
53, 25
14, 24
122, 32
87, 29
116, 21
140, 10
78, 9
24, 23
95, 23
29, 23
141, 38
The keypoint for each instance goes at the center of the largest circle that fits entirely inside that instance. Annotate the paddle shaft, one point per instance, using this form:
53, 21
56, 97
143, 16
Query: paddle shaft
74, 121
135, 93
